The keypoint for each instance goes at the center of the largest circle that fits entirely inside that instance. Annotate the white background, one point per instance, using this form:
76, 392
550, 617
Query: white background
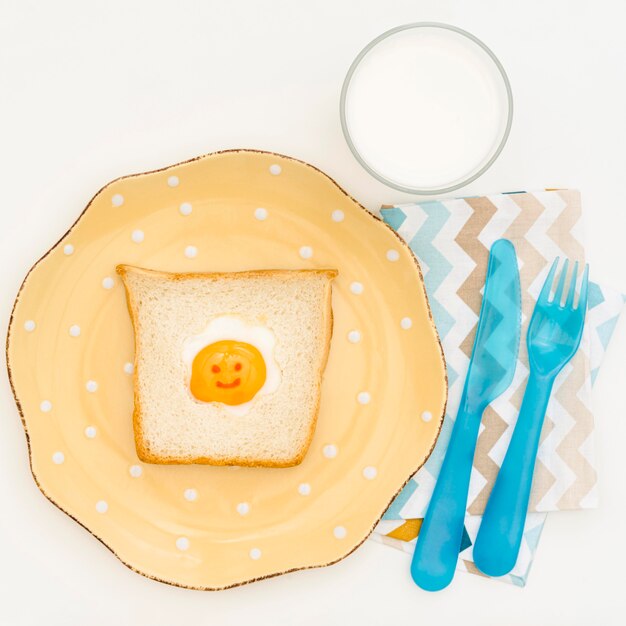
93, 90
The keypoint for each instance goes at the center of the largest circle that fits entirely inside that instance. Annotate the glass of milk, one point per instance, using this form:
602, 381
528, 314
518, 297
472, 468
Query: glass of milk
426, 108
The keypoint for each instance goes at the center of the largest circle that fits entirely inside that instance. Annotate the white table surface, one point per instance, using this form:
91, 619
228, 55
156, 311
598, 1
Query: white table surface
94, 90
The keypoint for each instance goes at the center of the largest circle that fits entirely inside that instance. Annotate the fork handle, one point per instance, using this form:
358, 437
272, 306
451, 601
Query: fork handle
500, 535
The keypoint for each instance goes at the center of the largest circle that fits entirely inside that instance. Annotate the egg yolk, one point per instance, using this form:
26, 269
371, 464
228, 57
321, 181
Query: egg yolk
227, 371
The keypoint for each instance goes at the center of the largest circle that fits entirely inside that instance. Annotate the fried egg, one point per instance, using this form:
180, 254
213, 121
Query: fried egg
231, 362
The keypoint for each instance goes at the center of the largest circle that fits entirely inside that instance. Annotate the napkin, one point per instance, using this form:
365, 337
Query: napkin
451, 238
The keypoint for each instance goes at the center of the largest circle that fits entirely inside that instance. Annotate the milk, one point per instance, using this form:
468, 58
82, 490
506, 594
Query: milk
426, 108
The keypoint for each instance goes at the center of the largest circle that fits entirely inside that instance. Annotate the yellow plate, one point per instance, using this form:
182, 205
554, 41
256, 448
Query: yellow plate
70, 346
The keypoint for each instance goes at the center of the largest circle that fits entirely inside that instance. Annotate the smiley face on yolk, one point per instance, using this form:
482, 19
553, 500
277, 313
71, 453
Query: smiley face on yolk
227, 371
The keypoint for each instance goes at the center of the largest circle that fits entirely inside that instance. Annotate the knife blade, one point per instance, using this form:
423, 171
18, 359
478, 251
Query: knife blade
490, 372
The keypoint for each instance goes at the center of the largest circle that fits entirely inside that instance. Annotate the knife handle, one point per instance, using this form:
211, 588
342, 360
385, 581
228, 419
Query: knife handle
500, 535
439, 541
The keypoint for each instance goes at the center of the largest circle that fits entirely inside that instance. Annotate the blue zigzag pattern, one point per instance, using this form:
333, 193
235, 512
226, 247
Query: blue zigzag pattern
438, 266
394, 217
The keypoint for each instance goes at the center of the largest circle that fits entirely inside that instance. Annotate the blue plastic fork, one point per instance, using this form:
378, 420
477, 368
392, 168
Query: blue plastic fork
553, 338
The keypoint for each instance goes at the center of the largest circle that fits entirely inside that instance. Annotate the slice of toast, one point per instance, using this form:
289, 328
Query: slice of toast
170, 313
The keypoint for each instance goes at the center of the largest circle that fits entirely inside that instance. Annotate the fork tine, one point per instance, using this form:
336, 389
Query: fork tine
572, 287
547, 285
582, 301
558, 294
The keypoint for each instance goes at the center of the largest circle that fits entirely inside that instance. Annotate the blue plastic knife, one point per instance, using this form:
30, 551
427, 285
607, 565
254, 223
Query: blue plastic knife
490, 372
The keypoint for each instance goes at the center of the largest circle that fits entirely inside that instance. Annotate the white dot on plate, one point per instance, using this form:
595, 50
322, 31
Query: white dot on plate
260, 214
337, 215
340, 532
90, 432
46, 406
129, 368
306, 252
68, 249
275, 169
330, 451
393, 255
58, 458
185, 208
74, 330
108, 282
304, 489
356, 288
117, 199
135, 471
427, 416
354, 336
173, 181
29, 326
406, 323
363, 397
190, 495
102, 506
243, 508
191, 252
182, 543
255, 554
370, 472
137, 236
91, 386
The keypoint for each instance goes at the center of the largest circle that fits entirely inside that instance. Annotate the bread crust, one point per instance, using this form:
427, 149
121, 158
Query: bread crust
143, 452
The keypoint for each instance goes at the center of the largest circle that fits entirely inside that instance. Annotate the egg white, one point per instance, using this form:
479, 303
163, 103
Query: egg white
235, 328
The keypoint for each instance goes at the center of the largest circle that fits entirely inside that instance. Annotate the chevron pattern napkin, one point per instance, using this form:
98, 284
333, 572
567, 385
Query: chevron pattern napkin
451, 239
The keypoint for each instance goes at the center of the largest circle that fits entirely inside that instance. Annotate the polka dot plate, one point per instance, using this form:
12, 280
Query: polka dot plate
70, 356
